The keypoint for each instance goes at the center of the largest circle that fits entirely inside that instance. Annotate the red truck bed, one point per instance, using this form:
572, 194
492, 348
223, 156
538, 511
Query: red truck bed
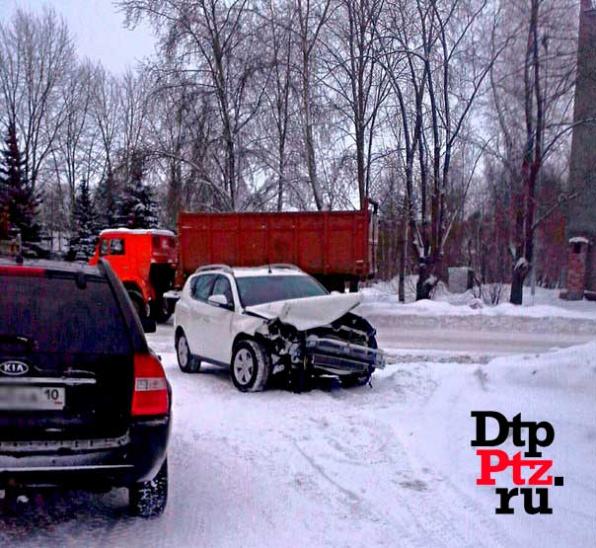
331, 245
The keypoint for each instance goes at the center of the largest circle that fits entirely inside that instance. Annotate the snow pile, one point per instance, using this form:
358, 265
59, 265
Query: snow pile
572, 370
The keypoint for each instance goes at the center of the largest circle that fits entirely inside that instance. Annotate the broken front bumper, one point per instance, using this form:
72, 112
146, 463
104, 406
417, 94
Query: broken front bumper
338, 357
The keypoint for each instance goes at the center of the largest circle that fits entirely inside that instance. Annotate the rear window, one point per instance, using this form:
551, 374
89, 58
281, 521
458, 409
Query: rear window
255, 290
57, 316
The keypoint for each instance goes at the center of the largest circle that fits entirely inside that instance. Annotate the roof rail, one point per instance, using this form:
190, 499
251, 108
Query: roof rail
285, 266
207, 267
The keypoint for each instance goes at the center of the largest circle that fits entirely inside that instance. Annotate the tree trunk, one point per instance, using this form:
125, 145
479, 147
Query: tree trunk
517, 286
423, 285
402, 261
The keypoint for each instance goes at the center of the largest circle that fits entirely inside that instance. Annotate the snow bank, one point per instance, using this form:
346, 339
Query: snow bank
572, 370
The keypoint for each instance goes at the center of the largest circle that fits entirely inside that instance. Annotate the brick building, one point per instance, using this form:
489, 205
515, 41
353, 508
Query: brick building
581, 214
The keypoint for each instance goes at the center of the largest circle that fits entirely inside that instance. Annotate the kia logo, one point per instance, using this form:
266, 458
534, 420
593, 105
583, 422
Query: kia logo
14, 368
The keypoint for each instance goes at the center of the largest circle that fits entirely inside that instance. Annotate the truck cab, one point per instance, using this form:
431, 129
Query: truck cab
145, 261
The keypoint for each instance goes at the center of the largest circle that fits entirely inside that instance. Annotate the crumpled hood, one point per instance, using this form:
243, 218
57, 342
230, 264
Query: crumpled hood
309, 312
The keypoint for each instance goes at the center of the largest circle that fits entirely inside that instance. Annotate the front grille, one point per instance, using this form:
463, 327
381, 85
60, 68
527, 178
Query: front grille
337, 364
343, 354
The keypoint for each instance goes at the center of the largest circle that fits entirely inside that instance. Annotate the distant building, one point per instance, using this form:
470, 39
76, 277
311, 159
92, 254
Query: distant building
581, 215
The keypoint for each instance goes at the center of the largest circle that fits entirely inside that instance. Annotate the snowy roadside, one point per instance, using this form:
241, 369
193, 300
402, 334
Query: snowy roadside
387, 466
382, 298
476, 333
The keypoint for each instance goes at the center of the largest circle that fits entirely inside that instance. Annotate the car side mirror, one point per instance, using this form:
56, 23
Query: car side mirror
219, 300
149, 325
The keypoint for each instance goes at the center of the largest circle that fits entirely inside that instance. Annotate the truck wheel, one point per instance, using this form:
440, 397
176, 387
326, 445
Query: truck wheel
138, 303
186, 361
251, 366
354, 286
160, 310
148, 499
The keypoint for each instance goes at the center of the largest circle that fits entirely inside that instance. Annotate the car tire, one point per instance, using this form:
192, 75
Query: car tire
160, 310
251, 366
148, 499
138, 303
187, 362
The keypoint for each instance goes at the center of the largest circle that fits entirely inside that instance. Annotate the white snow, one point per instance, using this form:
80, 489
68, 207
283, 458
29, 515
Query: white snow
579, 240
387, 466
521, 263
138, 231
382, 299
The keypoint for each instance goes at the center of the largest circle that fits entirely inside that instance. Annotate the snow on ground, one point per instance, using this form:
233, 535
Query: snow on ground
382, 297
384, 466
441, 326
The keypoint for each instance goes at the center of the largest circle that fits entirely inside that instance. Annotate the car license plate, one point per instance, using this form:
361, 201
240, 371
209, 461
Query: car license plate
32, 398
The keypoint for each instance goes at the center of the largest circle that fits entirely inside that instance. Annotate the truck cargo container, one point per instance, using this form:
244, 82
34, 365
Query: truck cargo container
336, 247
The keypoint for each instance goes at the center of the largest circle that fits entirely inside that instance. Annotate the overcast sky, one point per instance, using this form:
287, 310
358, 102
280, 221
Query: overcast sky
97, 28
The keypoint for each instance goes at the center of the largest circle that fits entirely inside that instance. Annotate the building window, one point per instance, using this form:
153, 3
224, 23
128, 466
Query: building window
577, 247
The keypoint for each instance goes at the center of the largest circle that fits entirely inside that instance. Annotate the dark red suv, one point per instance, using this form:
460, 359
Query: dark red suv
83, 400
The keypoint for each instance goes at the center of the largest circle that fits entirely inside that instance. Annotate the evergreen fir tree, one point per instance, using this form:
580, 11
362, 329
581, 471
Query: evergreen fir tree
106, 198
85, 225
138, 207
17, 196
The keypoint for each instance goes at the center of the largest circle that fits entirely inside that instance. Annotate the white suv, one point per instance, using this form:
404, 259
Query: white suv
272, 320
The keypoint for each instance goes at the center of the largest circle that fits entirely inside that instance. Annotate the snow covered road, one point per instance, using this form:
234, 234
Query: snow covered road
387, 466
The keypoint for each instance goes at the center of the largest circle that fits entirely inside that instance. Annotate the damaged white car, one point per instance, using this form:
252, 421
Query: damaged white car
272, 321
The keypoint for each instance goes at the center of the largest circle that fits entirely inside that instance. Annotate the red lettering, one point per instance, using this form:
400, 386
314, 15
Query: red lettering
543, 467
487, 467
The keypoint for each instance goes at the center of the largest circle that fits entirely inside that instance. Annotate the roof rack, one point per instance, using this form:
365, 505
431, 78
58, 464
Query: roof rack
284, 266
207, 267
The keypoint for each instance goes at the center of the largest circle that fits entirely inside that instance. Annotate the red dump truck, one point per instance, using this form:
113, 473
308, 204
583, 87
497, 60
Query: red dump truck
336, 247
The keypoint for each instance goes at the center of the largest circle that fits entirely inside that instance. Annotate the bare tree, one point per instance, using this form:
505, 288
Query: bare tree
532, 96
72, 154
280, 44
436, 73
312, 15
36, 56
211, 40
356, 77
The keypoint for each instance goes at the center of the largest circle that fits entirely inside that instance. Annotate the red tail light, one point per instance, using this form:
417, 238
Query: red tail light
150, 396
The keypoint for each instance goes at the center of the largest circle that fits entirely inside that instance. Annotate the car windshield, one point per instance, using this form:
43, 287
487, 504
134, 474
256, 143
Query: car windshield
267, 289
